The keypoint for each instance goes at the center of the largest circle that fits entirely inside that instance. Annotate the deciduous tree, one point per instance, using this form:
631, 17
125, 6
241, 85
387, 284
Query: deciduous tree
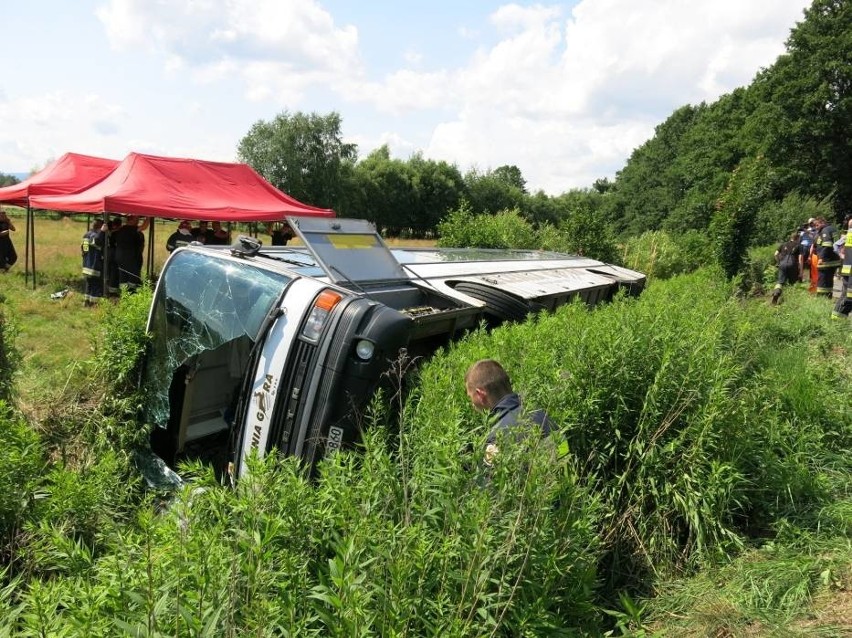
8, 180
807, 98
302, 154
491, 192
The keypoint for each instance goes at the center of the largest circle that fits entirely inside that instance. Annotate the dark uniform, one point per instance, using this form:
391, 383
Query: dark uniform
787, 256
181, 237
110, 264
217, 236
178, 239
828, 262
129, 247
92, 250
8, 256
508, 413
280, 235
844, 304
200, 232
509, 419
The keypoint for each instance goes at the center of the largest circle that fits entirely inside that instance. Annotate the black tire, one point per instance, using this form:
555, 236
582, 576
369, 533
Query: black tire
498, 304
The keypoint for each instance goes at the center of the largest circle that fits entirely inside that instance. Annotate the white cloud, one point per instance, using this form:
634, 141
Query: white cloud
402, 147
566, 154
273, 45
404, 90
50, 124
568, 98
513, 17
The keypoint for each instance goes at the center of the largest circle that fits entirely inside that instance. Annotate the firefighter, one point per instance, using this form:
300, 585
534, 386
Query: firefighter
806, 239
844, 303
92, 250
129, 242
828, 260
789, 262
181, 237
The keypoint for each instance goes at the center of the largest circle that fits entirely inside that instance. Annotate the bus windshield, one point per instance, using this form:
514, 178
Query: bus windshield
201, 304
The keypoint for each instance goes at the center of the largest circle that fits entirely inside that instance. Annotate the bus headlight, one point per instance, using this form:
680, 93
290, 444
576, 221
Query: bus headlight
323, 305
365, 349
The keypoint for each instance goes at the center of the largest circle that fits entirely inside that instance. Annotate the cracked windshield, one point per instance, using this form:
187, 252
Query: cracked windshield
206, 315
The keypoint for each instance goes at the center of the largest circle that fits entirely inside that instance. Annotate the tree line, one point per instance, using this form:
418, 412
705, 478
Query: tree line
304, 155
8, 180
784, 140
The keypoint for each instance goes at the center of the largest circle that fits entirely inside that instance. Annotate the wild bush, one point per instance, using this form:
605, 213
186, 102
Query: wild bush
758, 272
9, 355
661, 255
21, 463
382, 544
120, 344
102, 417
776, 220
732, 225
457, 228
585, 233
506, 229
669, 412
87, 483
636, 403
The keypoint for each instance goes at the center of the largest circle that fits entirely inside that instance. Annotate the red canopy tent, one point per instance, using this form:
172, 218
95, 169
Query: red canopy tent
71, 173
151, 186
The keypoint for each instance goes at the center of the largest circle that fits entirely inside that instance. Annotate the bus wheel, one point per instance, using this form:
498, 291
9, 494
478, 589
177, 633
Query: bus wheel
498, 303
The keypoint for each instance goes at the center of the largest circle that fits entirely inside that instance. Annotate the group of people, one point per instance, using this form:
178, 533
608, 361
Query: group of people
117, 246
817, 248
205, 233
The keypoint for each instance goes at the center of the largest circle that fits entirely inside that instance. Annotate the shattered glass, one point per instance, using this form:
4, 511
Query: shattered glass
155, 472
203, 303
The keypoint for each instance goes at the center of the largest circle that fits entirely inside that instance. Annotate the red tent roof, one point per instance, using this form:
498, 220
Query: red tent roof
151, 186
71, 173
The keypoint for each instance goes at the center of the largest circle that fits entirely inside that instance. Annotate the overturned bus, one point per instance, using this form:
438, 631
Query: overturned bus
255, 348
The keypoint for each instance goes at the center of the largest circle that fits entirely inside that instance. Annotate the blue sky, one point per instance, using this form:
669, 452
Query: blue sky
564, 90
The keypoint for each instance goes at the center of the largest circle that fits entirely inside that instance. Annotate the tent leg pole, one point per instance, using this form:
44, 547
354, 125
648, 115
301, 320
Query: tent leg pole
27, 248
31, 236
104, 263
150, 273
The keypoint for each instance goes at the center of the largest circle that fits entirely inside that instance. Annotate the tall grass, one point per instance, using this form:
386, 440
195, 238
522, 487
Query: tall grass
697, 426
344, 557
777, 589
661, 255
683, 411
9, 353
508, 229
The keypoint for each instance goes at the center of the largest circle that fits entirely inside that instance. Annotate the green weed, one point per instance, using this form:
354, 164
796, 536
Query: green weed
699, 428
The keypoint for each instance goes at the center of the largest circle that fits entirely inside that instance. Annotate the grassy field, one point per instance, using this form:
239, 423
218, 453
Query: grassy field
54, 336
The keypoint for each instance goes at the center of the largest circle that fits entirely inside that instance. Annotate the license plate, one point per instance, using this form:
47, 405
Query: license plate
335, 439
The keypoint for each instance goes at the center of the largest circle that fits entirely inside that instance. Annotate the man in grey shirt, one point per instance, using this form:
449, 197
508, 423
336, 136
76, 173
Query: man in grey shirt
489, 388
